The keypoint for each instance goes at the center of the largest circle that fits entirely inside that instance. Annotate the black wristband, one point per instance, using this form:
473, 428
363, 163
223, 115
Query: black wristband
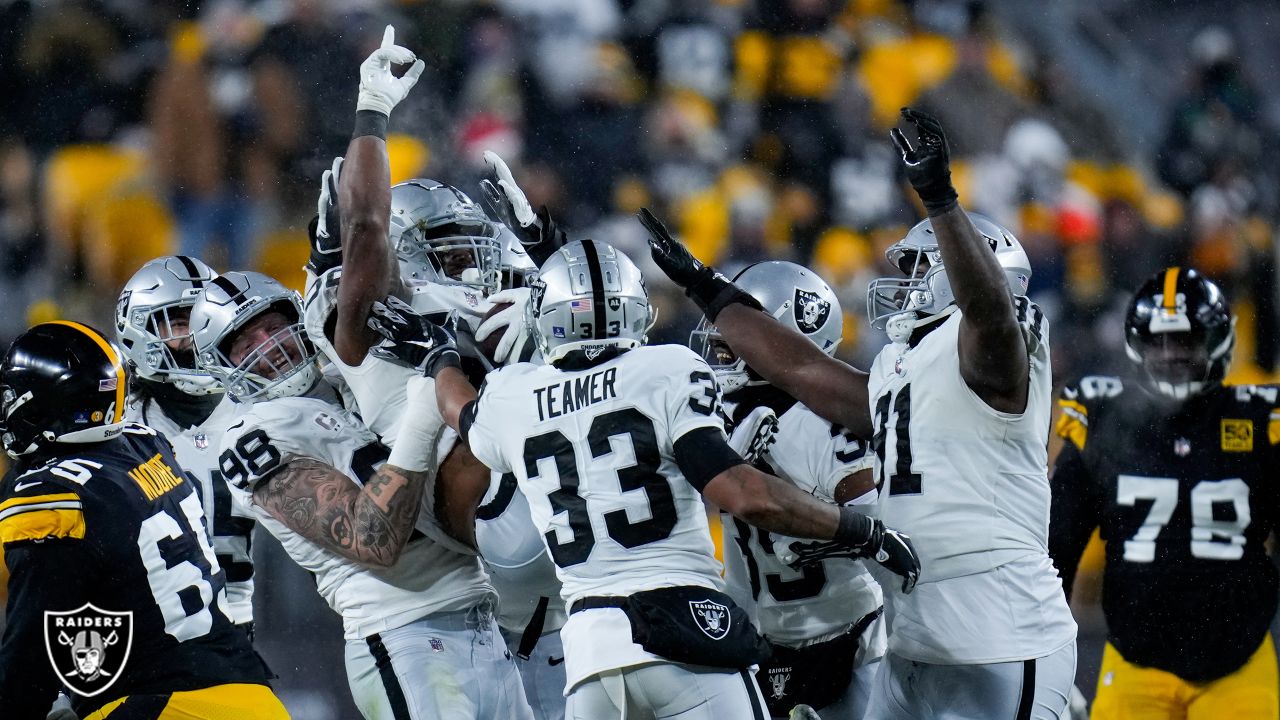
938, 196
857, 530
712, 292
370, 122
447, 359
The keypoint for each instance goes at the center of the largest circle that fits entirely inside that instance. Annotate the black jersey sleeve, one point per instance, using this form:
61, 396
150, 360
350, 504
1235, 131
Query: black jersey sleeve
1074, 512
50, 574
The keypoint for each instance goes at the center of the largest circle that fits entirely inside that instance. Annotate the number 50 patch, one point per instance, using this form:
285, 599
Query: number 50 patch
1237, 435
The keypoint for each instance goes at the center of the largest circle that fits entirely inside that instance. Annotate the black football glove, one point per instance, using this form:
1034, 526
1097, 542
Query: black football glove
411, 339
325, 227
892, 549
928, 166
709, 289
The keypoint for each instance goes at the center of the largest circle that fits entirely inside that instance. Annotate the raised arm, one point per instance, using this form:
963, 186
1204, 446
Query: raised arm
993, 354
369, 269
830, 388
369, 525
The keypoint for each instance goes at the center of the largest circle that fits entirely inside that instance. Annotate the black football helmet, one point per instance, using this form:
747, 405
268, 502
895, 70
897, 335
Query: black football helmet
60, 382
1180, 331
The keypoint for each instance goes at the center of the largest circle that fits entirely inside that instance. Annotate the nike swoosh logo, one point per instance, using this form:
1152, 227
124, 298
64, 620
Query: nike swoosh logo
554, 661
23, 486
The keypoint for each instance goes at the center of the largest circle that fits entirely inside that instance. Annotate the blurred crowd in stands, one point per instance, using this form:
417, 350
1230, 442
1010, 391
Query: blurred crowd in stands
132, 128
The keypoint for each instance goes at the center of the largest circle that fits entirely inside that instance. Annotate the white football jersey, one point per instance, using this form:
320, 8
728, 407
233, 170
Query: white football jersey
516, 557
592, 450
792, 607
428, 578
377, 385
969, 484
230, 521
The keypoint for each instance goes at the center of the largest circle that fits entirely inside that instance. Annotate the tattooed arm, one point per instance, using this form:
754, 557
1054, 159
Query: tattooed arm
369, 525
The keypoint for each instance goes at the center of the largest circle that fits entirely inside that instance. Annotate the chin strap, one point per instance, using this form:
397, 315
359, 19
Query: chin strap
901, 326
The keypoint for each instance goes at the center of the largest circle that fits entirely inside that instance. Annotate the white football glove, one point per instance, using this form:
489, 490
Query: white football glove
327, 203
753, 435
520, 206
516, 336
381, 91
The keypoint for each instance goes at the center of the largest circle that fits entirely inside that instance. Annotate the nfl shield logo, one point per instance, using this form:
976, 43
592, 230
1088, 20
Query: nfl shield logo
810, 310
436, 644
201, 440
712, 618
88, 647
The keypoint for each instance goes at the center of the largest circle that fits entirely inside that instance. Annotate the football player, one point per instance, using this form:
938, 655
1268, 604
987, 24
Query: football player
415, 603
823, 620
957, 407
612, 444
169, 393
114, 589
1176, 470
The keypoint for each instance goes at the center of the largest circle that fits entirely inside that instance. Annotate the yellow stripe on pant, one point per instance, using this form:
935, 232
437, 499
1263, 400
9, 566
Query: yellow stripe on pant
220, 702
1131, 692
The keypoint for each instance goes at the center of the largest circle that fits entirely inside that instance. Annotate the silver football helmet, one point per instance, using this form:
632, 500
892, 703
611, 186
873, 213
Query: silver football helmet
900, 304
281, 365
792, 294
439, 235
588, 296
152, 323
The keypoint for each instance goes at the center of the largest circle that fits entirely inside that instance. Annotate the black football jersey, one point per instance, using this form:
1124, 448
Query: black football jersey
1184, 496
117, 525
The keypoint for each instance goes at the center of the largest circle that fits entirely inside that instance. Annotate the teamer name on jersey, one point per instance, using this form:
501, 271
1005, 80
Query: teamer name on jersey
559, 399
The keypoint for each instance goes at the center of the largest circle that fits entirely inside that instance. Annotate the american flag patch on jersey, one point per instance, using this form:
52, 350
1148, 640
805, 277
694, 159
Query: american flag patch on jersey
583, 305
108, 384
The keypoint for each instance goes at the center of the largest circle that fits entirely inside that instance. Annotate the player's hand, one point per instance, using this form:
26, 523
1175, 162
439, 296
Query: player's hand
380, 90
753, 435
516, 334
508, 199
889, 547
670, 254
326, 240
928, 165
411, 339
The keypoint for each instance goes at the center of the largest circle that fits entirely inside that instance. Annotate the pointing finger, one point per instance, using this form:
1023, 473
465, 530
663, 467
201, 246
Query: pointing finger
389, 37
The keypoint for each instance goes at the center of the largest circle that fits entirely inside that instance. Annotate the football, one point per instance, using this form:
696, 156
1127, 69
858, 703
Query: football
490, 344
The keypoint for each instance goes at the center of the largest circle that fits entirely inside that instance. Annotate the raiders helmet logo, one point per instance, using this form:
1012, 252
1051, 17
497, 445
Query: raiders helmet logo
88, 647
712, 618
811, 311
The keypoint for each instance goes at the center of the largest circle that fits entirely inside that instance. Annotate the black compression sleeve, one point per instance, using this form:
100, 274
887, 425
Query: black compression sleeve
467, 418
1074, 512
703, 454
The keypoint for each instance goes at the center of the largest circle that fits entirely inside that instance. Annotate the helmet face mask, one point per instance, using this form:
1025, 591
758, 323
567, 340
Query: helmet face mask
900, 304
567, 313
795, 296
1182, 344
152, 323
439, 235
250, 336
